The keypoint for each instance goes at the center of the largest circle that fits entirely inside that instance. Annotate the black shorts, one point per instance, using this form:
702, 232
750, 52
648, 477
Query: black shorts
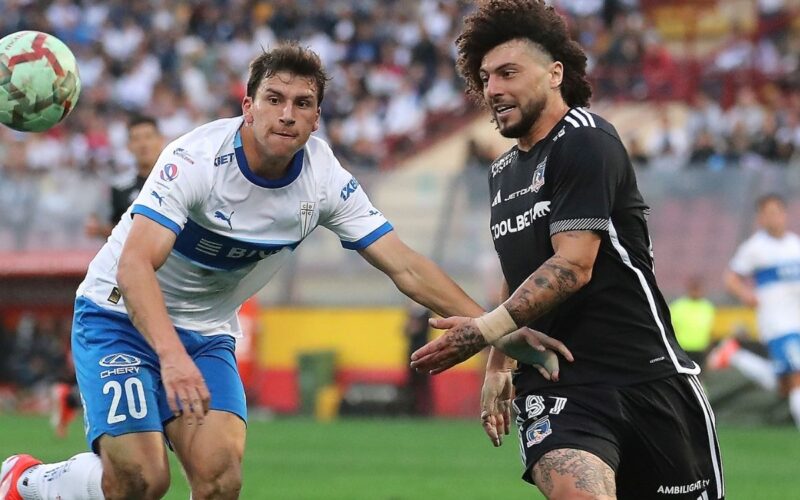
659, 437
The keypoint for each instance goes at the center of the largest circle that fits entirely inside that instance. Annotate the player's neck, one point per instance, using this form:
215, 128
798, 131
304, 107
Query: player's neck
776, 233
265, 166
553, 112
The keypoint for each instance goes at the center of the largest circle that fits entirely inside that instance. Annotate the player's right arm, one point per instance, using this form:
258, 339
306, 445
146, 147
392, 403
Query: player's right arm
497, 392
146, 249
741, 266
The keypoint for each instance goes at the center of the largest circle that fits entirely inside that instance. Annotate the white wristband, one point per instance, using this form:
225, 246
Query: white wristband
495, 324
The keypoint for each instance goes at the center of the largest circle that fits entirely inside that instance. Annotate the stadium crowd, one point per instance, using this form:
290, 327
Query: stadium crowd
393, 85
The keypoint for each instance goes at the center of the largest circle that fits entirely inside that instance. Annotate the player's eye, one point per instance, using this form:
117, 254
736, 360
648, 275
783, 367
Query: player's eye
272, 100
508, 73
303, 104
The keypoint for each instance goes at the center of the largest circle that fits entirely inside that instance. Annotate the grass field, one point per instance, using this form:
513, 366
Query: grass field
415, 459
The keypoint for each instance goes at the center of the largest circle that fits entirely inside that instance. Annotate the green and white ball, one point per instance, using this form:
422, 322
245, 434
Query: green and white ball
39, 81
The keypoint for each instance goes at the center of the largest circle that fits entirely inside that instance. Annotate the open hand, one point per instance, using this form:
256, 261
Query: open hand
461, 341
496, 395
187, 394
534, 348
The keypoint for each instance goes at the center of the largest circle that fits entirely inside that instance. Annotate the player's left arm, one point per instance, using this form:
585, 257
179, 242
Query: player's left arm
419, 278
424, 282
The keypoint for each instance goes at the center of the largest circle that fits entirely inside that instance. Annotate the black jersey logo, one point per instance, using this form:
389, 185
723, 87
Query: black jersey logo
538, 176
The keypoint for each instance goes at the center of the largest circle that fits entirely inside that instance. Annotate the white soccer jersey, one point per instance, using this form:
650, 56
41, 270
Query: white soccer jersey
234, 229
774, 266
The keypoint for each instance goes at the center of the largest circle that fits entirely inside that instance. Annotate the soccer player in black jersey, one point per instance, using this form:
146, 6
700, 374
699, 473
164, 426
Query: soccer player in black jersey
145, 143
628, 419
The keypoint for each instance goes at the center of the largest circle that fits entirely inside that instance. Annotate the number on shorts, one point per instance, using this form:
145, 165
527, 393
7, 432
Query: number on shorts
133, 390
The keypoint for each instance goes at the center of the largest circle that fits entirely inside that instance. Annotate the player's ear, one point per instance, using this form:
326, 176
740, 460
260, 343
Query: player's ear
556, 74
316, 122
247, 105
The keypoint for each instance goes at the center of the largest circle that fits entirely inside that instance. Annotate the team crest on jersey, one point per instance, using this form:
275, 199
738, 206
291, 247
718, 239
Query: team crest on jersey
538, 431
538, 176
169, 172
306, 213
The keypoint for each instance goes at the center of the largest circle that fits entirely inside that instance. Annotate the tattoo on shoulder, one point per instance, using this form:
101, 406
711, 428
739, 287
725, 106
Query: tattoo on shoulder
580, 468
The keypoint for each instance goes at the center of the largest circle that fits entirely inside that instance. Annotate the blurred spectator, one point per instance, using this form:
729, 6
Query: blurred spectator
693, 318
637, 153
393, 88
704, 153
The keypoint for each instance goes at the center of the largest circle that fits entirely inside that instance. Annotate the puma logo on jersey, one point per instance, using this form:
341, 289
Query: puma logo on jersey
158, 197
226, 218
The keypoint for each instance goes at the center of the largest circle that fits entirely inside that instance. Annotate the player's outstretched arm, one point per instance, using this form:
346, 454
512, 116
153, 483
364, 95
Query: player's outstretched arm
422, 281
147, 247
559, 277
419, 278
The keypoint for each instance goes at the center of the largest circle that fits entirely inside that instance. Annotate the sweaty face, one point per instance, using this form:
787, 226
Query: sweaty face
516, 79
145, 143
283, 113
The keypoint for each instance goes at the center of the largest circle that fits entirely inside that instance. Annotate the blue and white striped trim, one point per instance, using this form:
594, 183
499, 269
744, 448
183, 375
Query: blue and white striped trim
579, 117
368, 239
591, 224
153, 215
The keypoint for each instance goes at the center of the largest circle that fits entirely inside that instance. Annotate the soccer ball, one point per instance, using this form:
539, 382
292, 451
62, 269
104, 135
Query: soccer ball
39, 81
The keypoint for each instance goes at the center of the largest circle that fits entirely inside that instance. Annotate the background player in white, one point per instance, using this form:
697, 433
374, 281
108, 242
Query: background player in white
155, 317
765, 274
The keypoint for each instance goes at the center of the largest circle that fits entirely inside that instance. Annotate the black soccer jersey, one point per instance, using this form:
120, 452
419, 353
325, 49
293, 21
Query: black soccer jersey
580, 178
123, 195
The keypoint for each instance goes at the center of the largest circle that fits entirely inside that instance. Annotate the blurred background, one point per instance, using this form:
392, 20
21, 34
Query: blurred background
704, 93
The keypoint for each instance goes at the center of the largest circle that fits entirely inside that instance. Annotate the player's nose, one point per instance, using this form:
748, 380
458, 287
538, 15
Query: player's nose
493, 87
287, 118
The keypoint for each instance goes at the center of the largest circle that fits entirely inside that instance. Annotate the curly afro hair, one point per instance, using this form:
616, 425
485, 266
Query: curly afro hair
499, 21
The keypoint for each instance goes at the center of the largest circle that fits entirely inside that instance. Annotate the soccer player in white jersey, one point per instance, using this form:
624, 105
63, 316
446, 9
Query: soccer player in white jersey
765, 274
155, 318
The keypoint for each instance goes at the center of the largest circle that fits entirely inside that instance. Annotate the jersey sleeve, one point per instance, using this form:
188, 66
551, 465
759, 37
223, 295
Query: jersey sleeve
350, 214
743, 262
174, 186
586, 169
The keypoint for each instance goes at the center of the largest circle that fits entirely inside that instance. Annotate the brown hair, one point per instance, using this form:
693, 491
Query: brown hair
287, 56
762, 200
498, 21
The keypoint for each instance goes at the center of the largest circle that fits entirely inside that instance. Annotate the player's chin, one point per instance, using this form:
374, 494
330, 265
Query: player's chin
284, 144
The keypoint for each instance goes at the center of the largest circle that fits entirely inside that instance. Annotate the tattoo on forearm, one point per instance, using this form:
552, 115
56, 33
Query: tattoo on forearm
467, 341
548, 286
587, 472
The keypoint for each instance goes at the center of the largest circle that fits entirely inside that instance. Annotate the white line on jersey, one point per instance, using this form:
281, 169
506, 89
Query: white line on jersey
651, 301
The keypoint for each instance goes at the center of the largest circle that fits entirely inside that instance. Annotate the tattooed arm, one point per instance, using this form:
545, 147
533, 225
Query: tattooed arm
563, 274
